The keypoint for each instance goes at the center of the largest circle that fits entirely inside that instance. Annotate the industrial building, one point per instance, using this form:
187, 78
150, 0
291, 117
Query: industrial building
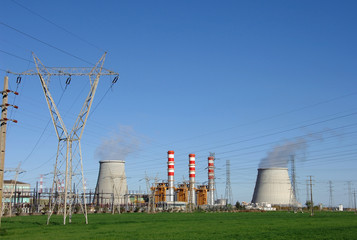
166, 194
19, 192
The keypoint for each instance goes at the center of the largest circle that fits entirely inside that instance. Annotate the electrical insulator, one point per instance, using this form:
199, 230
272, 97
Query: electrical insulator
8, 90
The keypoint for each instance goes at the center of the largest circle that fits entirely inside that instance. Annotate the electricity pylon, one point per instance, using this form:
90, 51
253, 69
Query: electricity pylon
69, 164
228, 192
14, 182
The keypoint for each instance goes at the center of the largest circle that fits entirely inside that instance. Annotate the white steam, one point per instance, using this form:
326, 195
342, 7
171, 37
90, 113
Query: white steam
119, 145
281, 154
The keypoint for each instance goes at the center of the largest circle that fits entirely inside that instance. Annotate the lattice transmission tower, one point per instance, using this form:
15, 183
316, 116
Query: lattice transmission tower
68, 168
228, 193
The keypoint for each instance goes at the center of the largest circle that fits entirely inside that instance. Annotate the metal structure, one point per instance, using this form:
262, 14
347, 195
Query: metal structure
349, 188
17, 172
330, 198
170, 175
228, 193
160, 192
273, 186
68, 168
293, 194
311, 200
182, 192
3, 128
211, 180
202, 195
192, 176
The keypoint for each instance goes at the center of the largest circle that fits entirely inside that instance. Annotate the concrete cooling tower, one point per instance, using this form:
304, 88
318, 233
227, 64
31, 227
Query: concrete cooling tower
273, 186
111, 182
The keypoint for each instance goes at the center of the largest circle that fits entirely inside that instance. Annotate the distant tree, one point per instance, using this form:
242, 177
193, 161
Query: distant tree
308, 204
239, 206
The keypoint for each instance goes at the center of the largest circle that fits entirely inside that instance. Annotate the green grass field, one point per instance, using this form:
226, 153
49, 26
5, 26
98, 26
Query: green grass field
242, 225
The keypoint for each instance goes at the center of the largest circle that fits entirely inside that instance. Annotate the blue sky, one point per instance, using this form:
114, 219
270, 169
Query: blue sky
231, 77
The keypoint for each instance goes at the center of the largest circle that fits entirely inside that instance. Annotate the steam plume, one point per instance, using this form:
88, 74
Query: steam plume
280, 155
119, 145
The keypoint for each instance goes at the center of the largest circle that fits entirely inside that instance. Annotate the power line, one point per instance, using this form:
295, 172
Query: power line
47, 44
273, 116
58, 26
13, 55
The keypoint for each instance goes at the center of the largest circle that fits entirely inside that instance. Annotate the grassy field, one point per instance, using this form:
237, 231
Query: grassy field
242, 225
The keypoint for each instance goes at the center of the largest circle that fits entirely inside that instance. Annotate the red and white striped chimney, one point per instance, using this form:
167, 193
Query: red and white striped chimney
170, 175
211, 180
192, 175
41, 183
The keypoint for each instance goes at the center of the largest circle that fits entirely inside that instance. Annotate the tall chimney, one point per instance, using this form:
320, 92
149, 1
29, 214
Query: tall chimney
41, 183
211, 180
192, 175
170, 175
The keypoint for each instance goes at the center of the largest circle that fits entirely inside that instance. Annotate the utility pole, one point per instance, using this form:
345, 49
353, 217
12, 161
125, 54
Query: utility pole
307, 190
311, 201
354, 195
3, 127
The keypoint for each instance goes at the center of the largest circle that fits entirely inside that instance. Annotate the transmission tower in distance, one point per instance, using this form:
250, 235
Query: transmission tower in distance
293, 194
228, 193
69, 165
330, 199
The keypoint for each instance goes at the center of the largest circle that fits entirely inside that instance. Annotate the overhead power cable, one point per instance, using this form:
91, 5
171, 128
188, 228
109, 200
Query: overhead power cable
270, 117
13, 55
47, 44
58, 26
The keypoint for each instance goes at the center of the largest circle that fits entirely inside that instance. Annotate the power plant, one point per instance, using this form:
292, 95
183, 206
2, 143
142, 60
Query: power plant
185, 193
273, 186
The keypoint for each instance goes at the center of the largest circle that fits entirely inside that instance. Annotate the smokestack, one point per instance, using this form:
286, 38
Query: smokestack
192, 175
170, 175
211, 180
41, 183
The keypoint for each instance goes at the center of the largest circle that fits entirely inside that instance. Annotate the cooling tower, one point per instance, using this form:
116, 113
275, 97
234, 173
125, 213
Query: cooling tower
273, 186
111, 182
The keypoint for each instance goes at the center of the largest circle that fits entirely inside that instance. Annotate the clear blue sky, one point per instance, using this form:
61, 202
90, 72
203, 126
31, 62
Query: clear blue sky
236, 78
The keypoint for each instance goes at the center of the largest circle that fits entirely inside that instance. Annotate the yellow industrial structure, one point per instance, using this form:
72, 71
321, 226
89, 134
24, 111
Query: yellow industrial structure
182, 192
160, 192
201, 192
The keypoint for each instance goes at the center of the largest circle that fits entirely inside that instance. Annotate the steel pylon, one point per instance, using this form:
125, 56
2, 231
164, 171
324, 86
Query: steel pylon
68, 170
